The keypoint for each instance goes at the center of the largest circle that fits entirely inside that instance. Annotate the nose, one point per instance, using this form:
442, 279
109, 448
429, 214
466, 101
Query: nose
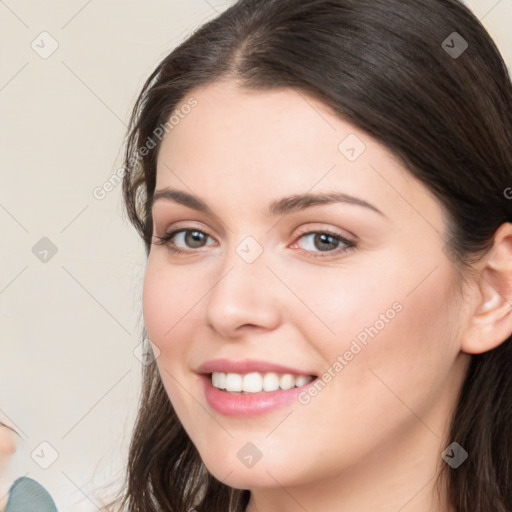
243, 298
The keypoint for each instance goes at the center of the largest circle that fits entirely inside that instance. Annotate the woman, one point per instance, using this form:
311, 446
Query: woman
321, 187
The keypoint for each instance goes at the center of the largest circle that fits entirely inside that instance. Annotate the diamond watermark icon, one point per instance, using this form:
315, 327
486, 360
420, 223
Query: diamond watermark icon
44, 455
249, 455
352, 147
249, 249
44, 250
454, 455
454, 45
147, 355
44, 45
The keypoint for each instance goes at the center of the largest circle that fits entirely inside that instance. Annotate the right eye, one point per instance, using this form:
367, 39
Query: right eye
189, 238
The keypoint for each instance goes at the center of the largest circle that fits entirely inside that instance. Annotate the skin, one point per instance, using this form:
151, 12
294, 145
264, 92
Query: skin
7, 449
372, 438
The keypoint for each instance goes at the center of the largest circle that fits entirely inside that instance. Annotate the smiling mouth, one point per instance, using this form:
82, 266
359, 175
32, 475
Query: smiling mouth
258, 382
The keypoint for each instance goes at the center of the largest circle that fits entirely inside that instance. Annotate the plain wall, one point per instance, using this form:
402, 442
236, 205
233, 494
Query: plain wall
69, 325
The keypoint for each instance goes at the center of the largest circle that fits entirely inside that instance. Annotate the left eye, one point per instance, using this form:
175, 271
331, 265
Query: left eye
320, 241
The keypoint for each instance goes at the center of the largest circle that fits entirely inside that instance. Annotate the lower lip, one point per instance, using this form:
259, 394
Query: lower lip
249, 404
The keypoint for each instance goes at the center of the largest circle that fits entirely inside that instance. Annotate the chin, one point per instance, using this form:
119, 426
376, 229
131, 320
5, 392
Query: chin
246, 478
262, 474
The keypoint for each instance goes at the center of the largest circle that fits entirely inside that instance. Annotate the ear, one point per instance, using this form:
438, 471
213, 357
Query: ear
491, 322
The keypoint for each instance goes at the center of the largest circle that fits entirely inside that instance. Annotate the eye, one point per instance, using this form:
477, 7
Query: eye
325, 242
191, 238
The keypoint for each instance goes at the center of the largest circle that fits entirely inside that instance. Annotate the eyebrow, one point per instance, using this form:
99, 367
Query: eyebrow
282, 206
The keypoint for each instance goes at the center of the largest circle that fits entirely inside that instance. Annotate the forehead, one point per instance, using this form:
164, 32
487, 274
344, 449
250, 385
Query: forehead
257, 145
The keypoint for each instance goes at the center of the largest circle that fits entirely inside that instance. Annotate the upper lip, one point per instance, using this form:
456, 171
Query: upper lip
246, 366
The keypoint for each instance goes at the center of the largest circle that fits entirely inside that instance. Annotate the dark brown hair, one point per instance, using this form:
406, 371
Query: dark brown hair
386, 67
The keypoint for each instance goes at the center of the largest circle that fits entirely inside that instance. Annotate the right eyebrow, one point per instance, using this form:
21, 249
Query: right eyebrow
180, 197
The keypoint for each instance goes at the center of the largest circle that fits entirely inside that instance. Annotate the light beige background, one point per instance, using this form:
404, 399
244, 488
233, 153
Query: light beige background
69, 326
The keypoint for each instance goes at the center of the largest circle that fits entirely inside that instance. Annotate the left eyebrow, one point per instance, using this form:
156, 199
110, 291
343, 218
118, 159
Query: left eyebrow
302, 201
282, 206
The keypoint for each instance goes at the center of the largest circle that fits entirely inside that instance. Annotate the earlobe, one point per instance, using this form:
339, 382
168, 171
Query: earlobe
491, 322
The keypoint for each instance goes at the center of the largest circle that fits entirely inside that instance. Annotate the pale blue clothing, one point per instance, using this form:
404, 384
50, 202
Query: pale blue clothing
27, 495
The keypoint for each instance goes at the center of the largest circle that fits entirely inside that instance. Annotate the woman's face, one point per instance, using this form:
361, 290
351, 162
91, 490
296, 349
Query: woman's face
267, 279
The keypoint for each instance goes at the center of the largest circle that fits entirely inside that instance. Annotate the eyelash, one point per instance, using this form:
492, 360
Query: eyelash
166, 240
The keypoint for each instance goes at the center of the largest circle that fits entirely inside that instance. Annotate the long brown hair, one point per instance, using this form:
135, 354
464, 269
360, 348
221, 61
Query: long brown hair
444, 109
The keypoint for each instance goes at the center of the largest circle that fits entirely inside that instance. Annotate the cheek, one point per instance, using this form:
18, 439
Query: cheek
408, 344
387, 327
168, 299
390, 308
385, 374
336, 305
154, 306
168, 316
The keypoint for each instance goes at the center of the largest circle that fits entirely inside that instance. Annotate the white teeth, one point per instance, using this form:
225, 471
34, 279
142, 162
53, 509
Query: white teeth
271, 382
219, 380
252, 382
300, 381
233, 382
256, 382
287, 381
